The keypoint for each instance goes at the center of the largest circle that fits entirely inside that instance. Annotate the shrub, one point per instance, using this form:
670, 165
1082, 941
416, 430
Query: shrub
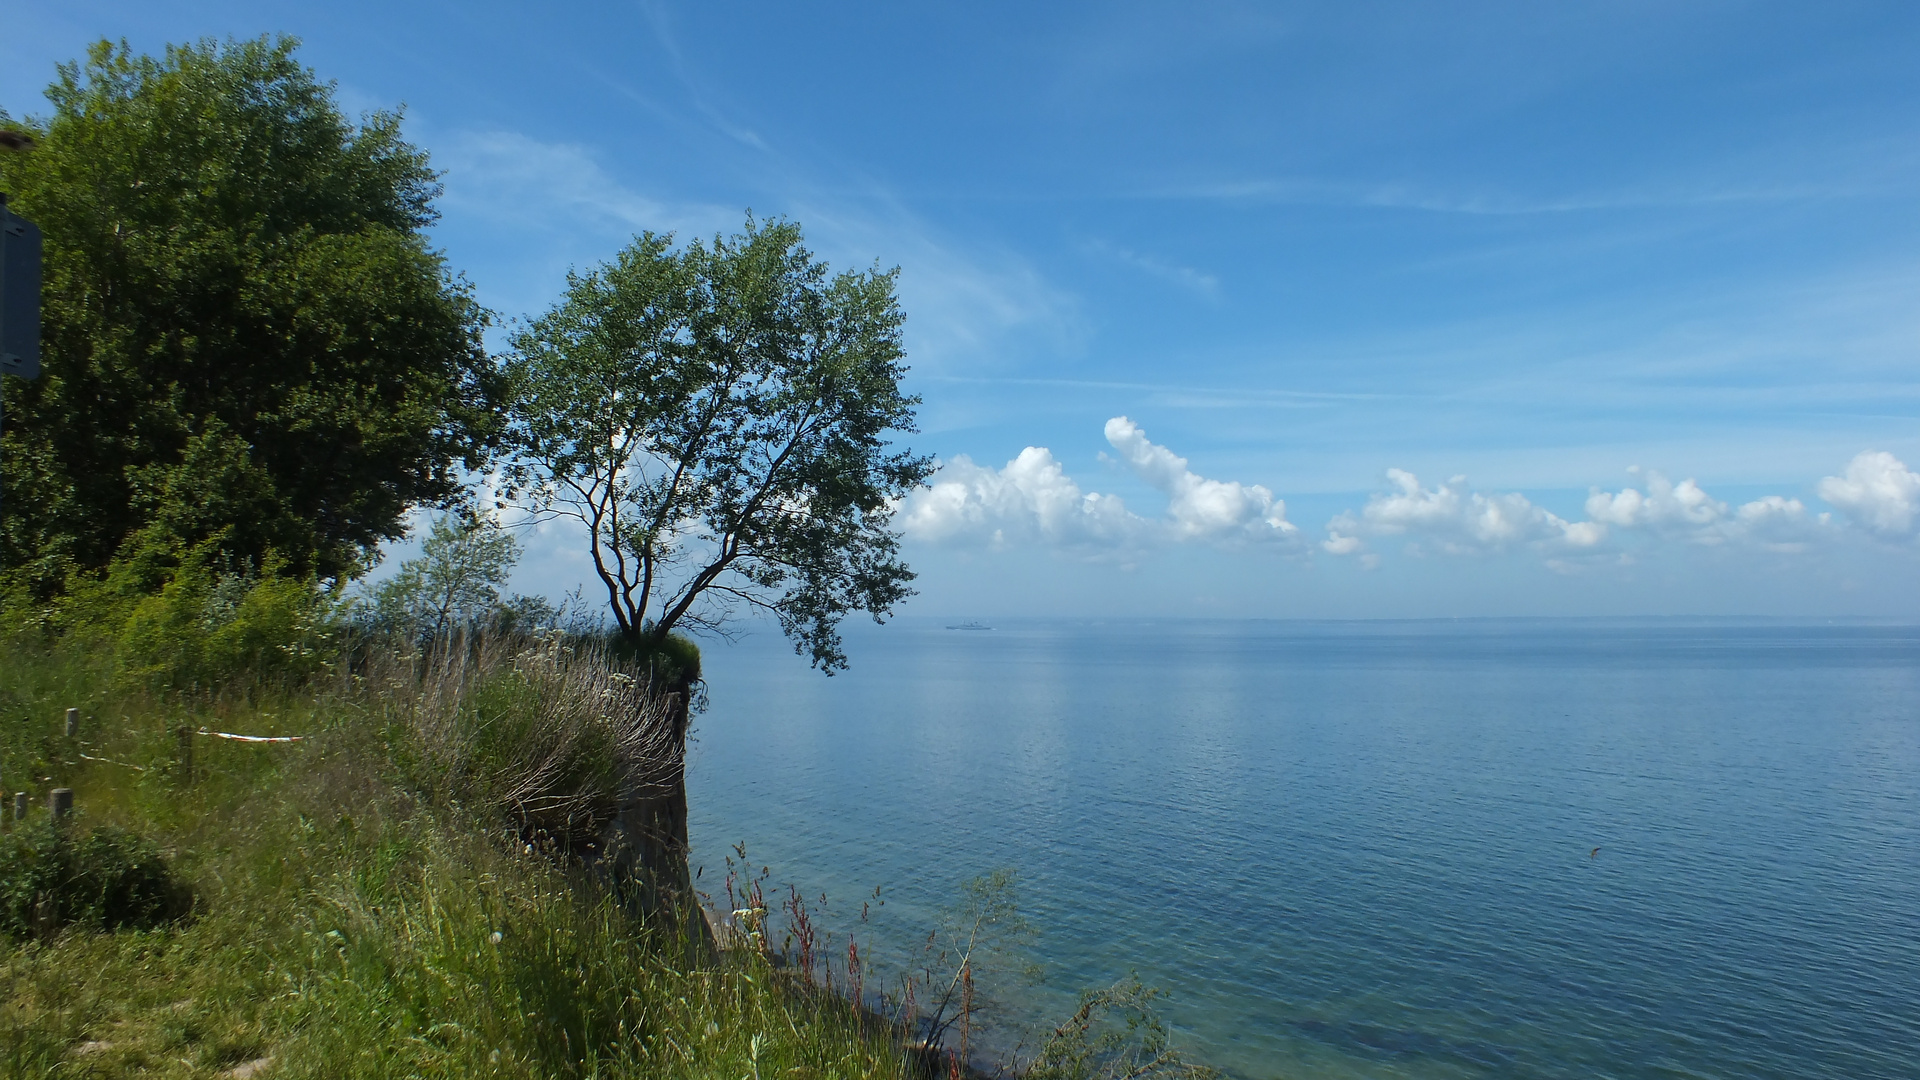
109, 879
205, 626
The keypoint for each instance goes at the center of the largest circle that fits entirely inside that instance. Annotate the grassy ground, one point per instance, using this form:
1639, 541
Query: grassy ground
341, 928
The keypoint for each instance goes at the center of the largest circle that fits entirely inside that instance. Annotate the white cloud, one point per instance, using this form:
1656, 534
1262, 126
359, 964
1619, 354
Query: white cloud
1195, 281
1457, 519
1033, 499
1685, 511
966, 298
1777, 523
1878, 493
566, 202
1199, 508
1339, 544
1664, 506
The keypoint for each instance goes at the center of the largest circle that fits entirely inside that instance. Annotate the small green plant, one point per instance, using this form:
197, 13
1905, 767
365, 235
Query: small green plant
984, 934
1116, 1034
108, 879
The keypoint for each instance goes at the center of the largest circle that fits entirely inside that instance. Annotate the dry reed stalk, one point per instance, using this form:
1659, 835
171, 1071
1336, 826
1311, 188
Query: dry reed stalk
544, 730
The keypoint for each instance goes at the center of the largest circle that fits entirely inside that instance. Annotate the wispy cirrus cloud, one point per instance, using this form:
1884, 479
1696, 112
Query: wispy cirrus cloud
1198, 282
1431, 198
512, 177
966, 298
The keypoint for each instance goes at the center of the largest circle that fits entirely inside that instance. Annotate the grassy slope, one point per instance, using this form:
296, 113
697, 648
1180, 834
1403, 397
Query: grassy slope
346, 931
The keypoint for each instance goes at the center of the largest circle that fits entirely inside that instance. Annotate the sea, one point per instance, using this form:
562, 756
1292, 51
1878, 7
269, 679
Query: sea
1478, 848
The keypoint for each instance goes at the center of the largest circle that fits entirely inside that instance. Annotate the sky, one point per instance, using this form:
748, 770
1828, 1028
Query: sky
1334, 310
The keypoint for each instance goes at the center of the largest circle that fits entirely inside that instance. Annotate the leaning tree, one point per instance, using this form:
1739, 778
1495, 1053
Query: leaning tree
718, 419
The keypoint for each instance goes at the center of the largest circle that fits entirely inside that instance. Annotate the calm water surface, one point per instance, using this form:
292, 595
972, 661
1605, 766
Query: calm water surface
1367, 849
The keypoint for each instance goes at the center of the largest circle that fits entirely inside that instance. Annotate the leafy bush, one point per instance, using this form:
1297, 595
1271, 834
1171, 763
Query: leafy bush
110, 879
206, 626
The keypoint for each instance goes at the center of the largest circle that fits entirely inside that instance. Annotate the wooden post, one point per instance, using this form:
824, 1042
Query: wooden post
73, 723
184, 758
19, 805
60, 802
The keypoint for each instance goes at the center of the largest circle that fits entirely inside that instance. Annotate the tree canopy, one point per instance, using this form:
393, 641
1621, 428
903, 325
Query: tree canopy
718, 417
454, 584
246, 338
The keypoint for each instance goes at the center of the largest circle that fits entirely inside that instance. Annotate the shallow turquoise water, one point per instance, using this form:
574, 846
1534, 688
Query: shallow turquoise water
1365, 849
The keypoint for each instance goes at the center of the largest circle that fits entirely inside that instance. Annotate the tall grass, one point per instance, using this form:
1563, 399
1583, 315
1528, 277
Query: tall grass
544, 730
351, 920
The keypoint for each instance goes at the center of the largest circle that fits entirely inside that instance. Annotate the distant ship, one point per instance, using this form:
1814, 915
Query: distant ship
970, 625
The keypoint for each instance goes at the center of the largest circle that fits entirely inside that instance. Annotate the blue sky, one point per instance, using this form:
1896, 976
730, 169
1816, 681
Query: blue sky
1334, 256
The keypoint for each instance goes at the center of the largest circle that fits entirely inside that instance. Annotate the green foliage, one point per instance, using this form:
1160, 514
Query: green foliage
171, 619
718, 417
108, 879
672, 662
346, 927
206, 629
454, 584
246, 338
978, 943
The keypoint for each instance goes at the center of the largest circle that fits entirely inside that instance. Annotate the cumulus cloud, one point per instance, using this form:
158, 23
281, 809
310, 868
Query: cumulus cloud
1685, 511
1878, 493
1199, 508
1033, 499
1664, 505
1777, 523
1456, 519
